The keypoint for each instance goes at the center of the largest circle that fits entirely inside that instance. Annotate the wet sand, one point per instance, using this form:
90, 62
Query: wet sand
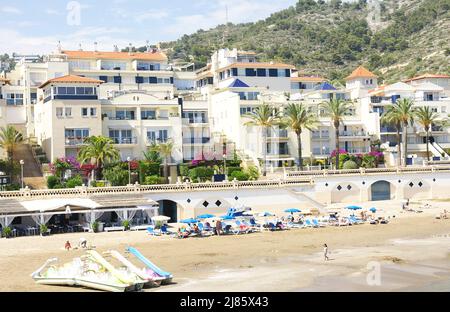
413, 252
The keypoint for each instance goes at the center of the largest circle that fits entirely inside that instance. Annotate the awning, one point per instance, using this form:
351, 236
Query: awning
47, 205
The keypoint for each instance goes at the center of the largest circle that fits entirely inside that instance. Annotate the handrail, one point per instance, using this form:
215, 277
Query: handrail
367, 171
299, 178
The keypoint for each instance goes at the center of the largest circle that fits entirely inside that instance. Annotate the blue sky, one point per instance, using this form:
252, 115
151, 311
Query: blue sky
36, 26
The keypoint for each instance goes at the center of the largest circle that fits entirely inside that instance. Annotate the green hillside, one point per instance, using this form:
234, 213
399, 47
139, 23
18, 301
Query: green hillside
330, 38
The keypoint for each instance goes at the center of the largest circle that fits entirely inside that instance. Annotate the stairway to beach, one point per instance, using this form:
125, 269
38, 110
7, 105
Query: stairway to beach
32, 174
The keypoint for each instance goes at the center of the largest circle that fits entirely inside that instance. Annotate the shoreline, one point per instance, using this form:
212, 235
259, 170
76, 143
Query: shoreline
280, 261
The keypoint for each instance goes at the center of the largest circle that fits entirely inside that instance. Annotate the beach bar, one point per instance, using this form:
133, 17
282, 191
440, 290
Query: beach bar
62, 215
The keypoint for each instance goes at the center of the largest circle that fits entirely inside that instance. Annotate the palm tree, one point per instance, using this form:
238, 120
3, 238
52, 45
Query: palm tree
10, 138
165, 151
297, 117
405, 112
426, 117
266, 117
98, 151
336, 109
391, 117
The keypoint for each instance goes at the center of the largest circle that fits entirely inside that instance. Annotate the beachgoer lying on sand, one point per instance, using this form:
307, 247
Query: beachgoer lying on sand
182, 234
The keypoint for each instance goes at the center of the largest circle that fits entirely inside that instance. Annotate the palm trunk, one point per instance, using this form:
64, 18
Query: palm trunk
399, 149
428, 147
300, 155
264, 152
166, 173
405, 143
99, 172
337, 148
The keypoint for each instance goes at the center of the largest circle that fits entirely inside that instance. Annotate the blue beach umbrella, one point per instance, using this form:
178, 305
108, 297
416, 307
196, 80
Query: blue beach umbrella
205, 216
293, 210
227, 218
353, 207
373, 209
189, 221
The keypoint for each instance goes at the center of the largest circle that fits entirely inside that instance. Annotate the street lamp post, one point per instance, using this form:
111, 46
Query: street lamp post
129, 170
21, 172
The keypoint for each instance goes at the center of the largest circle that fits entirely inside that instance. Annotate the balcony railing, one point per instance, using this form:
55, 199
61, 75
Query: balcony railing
196, 140
125, 141
353, 133
358, 150
121, 118
74, 142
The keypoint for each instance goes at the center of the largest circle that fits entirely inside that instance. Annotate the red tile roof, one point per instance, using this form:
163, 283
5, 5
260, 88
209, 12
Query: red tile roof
425, 76
361, 72
141, 56
71, 79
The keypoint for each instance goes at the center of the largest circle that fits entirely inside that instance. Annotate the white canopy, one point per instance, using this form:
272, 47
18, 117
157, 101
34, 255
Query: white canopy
47, 205
160, 218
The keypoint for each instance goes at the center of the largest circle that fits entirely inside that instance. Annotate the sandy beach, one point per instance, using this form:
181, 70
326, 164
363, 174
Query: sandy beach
411, 253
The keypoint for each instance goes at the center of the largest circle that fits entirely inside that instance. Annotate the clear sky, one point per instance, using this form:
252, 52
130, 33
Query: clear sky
29, 26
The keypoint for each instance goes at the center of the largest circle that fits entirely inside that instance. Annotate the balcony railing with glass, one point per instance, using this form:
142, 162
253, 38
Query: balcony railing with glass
196, 140
321, 151
278, 134
125, 141
355, 150
74, 141
353, 133
151, 141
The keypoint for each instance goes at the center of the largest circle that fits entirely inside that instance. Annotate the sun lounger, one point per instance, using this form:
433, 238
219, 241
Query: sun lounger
139, 227
316, 223
151, 230
308, 223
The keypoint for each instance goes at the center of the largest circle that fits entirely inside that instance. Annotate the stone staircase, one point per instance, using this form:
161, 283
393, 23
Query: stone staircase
33, 177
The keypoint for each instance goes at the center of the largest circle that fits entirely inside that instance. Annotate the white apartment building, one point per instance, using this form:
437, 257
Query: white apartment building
138, 99
427, 90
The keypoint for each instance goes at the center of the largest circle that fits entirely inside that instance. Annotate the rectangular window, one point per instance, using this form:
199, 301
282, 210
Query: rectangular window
234, 72
80, 90
153, 80
68, 111
84, 112
139, 79
93, 111
117, 79
148, 115
59, 112
71, 90
104, 78
273, 72
157, 136
250, 72
261, 72
288, 73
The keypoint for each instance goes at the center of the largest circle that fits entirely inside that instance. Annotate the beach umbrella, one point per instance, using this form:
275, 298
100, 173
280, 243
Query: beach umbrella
353, 207
293, 210
205, 216
189, 221
227, 218
160, 218
373, 209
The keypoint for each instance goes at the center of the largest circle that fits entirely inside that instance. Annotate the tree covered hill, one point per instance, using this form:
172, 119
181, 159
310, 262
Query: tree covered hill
331, 38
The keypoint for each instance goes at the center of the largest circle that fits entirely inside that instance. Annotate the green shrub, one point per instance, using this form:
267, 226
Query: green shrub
201, 174
13, 187
240, 176
94, 226
184, 170
7, 231
230, 170
74, 182
253, 173
126, 224
152, 180
116, 176
52, 181
350, 164
43, 228
369, 161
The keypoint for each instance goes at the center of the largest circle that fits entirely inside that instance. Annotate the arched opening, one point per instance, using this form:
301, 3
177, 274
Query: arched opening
380, 190
169, 209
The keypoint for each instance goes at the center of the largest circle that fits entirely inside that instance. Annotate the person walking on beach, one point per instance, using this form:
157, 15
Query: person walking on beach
325, 252
67, 246
83, 242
